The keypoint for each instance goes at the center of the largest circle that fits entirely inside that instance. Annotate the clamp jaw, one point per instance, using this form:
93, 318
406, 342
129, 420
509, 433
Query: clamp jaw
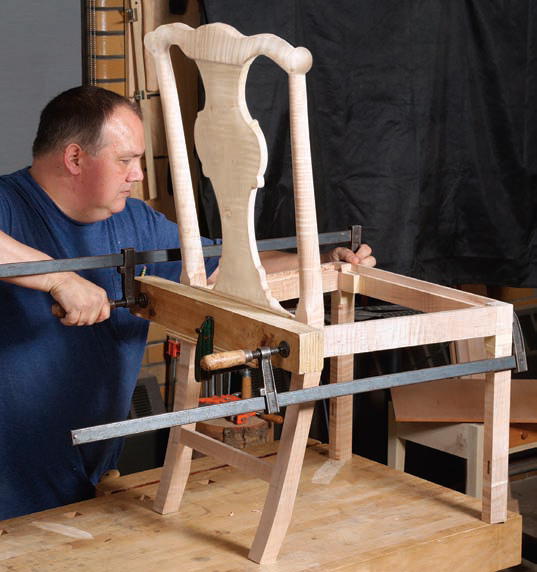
128, 286
232, 359
208, 362
519, 350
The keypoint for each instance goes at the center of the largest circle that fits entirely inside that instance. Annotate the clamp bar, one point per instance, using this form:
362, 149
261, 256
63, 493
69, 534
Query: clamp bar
177, 418
151, 256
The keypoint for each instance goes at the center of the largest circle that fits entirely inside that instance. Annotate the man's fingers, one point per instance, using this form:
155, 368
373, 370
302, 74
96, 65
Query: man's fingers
71, 318
84, 303
364, 251
370, 261
104, 314
361, 256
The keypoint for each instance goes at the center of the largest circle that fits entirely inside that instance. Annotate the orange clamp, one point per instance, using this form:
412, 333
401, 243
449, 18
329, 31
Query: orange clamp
173, 348
239, 419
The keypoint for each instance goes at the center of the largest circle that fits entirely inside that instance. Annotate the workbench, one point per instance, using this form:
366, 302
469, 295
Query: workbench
353, 516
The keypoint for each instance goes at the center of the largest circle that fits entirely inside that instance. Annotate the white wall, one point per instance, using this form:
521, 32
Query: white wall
40, 56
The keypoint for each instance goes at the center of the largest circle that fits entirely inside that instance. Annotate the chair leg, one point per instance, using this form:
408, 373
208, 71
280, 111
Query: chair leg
474, 459
341, 369
496, 447
178, 457
396, 445
280, 499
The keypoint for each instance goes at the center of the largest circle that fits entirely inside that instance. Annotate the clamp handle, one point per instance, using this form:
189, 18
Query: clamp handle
127, 270
225, 360
58, 311
234, 358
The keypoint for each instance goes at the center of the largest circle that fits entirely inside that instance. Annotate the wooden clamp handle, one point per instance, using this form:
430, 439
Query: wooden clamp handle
59, 312
224, 360
141, 300
271, 418
233, 358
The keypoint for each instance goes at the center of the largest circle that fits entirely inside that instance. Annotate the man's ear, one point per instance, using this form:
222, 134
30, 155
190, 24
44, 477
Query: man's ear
71, 158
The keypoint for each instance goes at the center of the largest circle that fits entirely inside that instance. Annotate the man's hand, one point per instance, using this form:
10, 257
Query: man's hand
84, 303
361, 256
276, 261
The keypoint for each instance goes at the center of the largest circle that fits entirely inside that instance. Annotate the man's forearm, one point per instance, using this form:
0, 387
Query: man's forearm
84, 303
13, 251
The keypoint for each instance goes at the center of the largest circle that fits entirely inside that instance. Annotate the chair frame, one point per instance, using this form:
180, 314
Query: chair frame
247, 312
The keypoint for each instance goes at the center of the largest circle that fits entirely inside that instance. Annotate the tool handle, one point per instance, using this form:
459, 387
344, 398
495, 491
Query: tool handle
223, 360
246, 384
271, 418
59, 312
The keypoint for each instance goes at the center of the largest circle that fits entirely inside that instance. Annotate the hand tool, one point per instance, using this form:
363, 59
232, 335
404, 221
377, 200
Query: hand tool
173, 350
127, 271
11, 269
246, 393
177, 418
223, 360
58, 312
130, 258
240, 418
207, 363
271, 401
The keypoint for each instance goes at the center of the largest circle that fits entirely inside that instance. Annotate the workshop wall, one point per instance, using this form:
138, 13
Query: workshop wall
40, 56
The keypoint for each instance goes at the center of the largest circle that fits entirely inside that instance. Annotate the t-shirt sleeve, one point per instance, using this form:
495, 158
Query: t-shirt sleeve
5, 213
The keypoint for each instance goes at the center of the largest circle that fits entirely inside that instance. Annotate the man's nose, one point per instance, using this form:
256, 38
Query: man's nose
136, 173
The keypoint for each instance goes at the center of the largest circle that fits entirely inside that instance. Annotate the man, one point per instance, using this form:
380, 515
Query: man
74, 201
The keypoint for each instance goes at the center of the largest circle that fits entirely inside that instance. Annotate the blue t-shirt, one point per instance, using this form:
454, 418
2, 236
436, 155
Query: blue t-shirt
55, 378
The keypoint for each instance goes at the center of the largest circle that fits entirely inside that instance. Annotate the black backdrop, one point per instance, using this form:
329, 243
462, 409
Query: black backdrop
423, 120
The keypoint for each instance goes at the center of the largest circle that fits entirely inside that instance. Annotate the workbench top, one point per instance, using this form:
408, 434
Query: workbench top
351, 517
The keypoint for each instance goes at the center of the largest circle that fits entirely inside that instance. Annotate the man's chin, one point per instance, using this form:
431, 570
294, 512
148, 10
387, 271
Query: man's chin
119, 205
